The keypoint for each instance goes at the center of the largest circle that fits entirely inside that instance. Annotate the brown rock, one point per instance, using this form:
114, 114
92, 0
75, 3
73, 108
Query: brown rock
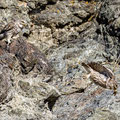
8, 59
7, 62
4, 84
29, 56
1, 51
3, 45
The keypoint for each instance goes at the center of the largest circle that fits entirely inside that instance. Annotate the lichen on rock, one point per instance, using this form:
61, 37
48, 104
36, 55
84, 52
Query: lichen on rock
41, 77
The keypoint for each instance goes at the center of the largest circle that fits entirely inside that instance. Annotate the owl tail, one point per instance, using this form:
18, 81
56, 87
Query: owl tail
2, 36
87, 67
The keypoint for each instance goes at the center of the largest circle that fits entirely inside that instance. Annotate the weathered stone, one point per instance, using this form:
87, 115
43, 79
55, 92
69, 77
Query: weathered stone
40, 89
7, 63
6, 3
82, 105
3, 45
32, 99
68, 32
102, 114
29, 56
63, 14
108, 19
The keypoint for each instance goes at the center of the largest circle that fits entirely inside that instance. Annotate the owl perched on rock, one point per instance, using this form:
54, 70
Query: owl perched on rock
101, 75
11, 30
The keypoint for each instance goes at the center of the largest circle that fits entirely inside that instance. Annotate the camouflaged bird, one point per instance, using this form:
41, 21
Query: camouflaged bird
11, 30
101, 75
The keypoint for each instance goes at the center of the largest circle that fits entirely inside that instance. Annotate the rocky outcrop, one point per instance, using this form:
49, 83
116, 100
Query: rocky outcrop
41, 77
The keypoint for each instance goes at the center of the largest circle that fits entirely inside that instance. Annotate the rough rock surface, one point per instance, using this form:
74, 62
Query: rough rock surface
57, 37
29, 56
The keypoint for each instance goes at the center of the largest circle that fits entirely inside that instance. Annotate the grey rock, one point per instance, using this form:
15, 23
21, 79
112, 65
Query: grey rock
32, 99
102, 114
109, 19
68, 32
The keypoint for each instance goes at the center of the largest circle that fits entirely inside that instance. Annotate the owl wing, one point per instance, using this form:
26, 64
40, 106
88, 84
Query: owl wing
101, 69
87, 67
98, 79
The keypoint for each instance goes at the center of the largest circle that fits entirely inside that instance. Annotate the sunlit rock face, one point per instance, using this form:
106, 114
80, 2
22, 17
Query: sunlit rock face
41, 76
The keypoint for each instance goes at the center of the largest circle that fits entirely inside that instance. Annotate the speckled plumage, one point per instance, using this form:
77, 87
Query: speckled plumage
11, 30
101, 75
